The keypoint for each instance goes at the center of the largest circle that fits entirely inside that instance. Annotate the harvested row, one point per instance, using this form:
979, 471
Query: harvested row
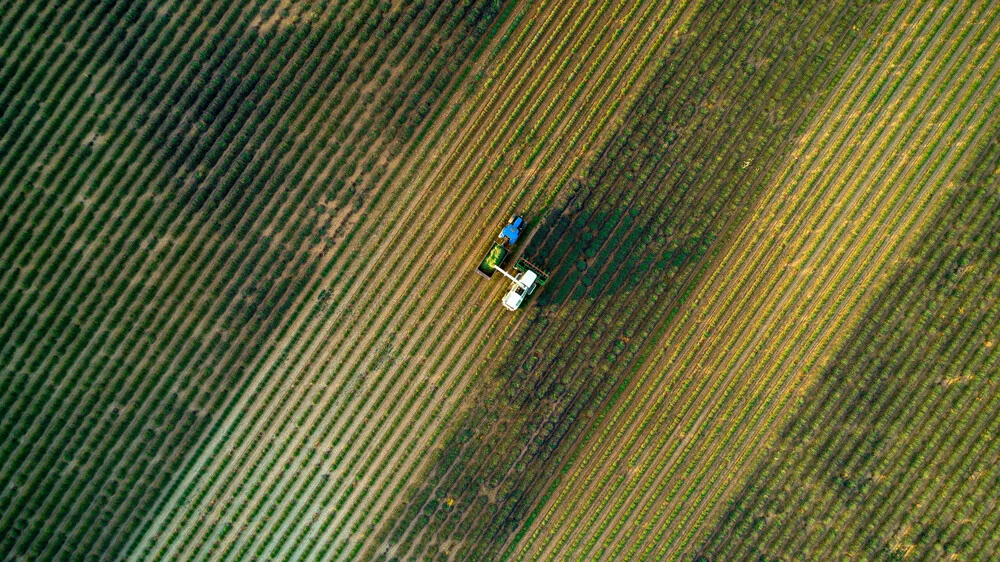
550, 148
407, 520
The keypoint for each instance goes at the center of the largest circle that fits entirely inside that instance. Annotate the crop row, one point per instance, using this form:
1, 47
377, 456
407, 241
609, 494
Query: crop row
128, 342
895, 207
59, 425
721, 369
244, 437
943, 262
919, 414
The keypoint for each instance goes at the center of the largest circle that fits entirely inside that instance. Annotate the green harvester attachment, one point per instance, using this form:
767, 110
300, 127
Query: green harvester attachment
523, 265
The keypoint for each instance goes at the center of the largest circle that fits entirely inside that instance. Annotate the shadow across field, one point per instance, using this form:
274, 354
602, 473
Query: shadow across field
597, 253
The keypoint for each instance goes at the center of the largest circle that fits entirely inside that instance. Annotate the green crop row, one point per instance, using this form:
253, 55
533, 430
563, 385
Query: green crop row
118, 339
919, 412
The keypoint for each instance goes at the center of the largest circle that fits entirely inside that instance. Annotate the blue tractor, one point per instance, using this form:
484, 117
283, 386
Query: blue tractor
512, 230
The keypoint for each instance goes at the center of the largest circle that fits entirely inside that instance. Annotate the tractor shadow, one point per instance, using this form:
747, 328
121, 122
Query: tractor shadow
604, 252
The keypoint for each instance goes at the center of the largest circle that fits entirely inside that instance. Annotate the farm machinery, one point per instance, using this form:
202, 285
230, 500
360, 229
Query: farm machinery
526, 277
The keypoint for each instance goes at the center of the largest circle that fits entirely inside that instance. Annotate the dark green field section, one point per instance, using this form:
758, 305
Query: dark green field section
171, 176
894, 453
622, 248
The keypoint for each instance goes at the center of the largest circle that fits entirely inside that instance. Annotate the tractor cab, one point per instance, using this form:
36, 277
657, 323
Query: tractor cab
522, 286
512, 231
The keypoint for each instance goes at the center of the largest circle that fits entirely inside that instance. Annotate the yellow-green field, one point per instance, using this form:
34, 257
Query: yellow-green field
240, 319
